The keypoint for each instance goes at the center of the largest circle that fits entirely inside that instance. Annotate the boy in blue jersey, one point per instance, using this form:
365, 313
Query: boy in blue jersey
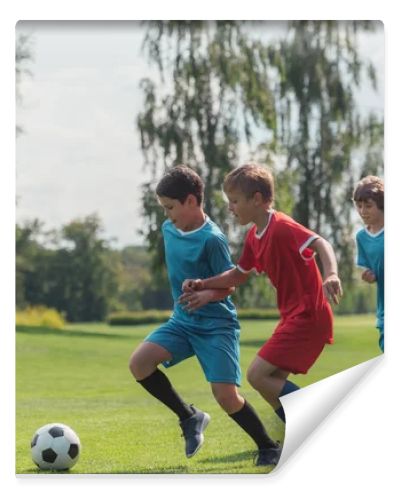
369, 200
195, 246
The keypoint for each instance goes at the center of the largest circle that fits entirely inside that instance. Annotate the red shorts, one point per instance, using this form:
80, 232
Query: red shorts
298, 341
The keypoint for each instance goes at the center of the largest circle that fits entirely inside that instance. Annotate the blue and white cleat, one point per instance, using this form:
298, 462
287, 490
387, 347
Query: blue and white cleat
192, 430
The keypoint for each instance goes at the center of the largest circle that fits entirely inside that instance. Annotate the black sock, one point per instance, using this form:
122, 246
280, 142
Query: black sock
281, 413
158, 385
249, 421
288, 388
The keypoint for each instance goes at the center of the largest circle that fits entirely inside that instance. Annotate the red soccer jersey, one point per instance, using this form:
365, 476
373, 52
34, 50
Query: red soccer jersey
282, 252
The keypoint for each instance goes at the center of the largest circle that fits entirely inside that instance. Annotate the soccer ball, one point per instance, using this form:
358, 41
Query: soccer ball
55, 447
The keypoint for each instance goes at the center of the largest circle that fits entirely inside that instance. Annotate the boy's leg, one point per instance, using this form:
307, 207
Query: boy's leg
143, 365
218, 354
245, 416
287, 388
271, 382
381, 339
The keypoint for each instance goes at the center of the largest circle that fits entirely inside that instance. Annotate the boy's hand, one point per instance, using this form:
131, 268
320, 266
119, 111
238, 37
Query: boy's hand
333, 288
368, 276
194, 300
192, 285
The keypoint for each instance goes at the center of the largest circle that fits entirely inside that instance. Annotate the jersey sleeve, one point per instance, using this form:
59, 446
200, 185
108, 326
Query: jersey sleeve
300, 239
247, 262
361, 258
218, 255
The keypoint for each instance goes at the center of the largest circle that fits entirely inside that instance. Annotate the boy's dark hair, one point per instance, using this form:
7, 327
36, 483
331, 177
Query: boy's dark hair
251, 178
370, 188
180, 181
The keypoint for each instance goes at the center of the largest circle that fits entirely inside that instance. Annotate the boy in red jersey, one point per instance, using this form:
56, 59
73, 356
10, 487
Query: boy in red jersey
284, 250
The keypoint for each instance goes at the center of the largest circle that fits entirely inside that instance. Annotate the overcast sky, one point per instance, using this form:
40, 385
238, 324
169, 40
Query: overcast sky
80, 152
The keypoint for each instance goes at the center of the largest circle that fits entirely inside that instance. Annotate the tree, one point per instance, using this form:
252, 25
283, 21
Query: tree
320, 130
85, 271
27, 251
23, 58
71, 270
216, 92
137, 288
293, 101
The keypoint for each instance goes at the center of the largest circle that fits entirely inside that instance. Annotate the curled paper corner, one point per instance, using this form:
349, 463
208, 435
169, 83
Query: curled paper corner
307, 408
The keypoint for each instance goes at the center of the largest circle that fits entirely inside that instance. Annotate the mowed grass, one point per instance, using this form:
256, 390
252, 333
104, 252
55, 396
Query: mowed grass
80, 377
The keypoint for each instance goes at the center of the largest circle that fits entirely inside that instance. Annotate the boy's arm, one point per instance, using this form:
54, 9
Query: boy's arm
231, 278
331, 281
193, 300
362, 262
368, 276
197, 293
362, 258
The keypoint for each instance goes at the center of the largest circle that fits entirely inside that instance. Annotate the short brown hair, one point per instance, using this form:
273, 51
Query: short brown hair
370, 188
251, 178
180, 181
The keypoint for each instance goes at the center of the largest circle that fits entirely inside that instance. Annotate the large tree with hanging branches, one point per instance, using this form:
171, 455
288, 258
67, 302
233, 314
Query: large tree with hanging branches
326, 143
213, 93
225, 92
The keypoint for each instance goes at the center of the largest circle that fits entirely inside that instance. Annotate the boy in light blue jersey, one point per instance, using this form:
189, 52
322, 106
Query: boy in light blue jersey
369, 200
203, 250
194, 245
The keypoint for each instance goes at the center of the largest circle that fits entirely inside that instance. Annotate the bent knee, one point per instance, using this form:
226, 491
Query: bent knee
253, 377
145, 359
229, 401
140, 366
258, 379
134, 365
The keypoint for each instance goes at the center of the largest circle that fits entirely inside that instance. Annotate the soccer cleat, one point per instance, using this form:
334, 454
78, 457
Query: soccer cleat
267, 456
192, 431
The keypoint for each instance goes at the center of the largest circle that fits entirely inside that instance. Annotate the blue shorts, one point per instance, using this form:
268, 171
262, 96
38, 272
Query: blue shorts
381, 338
217, 351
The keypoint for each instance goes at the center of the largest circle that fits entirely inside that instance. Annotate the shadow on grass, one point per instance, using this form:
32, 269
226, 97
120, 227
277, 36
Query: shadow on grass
247, 456
162, 470
236, 457
36, 470
42, 330
135, 470
179, 469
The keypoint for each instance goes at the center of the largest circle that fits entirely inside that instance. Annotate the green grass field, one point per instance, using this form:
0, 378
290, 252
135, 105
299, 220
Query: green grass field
80, 377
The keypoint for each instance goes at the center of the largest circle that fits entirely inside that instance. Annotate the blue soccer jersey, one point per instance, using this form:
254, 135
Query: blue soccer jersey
201, 253
370, 254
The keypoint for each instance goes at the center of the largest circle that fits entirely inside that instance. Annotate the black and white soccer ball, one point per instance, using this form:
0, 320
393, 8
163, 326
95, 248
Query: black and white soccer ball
55, 447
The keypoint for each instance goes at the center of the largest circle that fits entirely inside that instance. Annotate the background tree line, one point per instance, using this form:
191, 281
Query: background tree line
77, 272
